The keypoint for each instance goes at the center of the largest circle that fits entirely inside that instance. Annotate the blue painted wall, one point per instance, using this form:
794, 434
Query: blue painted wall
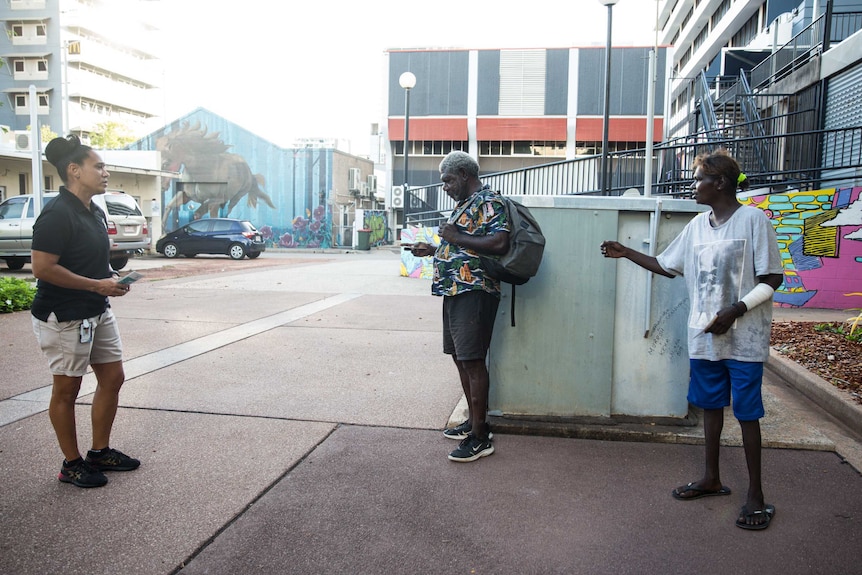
296, 181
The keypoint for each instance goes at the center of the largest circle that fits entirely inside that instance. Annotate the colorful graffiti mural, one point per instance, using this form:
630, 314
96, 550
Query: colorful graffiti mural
414, 267
820, 238
285, 193
375, 221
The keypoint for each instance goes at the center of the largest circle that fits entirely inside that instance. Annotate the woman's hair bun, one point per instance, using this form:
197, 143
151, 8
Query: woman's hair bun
59, 149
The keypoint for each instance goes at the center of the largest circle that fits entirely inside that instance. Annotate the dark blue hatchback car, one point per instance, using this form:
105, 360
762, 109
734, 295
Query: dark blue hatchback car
235, 238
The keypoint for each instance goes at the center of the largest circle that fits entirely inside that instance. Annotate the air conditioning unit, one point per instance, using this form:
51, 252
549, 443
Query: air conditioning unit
22, 141
364, 192
396, 198
354, 180
372, 185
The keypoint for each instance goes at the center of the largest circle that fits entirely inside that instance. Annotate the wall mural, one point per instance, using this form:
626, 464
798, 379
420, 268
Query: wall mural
212, 177
414, 267
226, 171
820, 238
375, 221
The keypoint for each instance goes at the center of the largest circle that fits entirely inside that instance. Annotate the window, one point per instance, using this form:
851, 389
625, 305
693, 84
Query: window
521, 148
430, 147
121, 205
199, 226
20, 101
41, 30
42, 65
719, 13
595, 148
747, 33
43, 100
222, 226
687, 18
13, 209
699, 39
49, 182
17, 31
19, 66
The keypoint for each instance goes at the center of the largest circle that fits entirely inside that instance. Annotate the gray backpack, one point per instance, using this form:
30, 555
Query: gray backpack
526, 247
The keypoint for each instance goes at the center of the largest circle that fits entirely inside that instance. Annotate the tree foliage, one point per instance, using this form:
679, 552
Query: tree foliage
45, 133
110, 136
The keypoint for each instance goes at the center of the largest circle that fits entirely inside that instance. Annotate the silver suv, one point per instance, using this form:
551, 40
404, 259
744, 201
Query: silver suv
127, 227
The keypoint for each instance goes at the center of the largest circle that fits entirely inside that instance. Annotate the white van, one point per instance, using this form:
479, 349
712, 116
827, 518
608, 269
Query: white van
127, 227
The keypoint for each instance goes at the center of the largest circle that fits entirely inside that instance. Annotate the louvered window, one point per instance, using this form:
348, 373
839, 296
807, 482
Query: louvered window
522, 83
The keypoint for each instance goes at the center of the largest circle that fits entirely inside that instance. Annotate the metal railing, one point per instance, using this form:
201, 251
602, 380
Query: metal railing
844, 25
801, 160
790, 57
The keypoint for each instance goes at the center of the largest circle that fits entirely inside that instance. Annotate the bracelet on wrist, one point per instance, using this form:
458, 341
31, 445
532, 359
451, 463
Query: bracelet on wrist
740, 308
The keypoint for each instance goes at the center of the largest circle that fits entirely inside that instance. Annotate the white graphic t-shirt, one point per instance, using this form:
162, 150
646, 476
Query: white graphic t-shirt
720, 265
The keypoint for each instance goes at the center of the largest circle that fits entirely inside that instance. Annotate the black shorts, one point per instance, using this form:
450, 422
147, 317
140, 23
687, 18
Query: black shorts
468, 323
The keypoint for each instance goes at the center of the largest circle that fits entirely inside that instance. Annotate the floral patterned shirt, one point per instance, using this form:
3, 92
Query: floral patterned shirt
458, 270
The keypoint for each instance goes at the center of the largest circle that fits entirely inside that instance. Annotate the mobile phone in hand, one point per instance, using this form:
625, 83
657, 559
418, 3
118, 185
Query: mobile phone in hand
130, 277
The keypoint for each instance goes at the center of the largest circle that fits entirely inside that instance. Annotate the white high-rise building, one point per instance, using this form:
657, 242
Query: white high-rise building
91, 61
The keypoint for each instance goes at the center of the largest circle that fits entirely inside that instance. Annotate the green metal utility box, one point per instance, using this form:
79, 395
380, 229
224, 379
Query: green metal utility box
594, 337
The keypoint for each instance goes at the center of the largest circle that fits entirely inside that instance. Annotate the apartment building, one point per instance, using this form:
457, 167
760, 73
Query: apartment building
779, 44
90, 61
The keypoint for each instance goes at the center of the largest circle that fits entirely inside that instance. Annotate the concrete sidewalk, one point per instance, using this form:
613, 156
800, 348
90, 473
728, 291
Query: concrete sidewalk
265, 452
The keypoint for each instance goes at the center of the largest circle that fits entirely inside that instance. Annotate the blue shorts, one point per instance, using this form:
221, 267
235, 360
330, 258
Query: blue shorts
712, 383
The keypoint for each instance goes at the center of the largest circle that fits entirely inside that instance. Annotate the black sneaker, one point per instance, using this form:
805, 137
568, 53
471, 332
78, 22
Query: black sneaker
82, 474
111, 460
472, 448
461, 431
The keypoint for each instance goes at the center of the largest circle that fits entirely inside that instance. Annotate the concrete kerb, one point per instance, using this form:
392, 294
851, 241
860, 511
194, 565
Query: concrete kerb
818, 390
813, 387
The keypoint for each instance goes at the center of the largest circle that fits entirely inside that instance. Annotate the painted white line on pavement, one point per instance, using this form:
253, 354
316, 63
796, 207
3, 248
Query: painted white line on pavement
36, 401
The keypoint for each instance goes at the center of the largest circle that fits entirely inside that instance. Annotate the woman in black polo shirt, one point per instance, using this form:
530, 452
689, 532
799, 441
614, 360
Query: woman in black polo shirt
72, 319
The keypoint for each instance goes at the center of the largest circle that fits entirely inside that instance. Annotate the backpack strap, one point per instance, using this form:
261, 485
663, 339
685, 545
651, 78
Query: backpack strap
513, 305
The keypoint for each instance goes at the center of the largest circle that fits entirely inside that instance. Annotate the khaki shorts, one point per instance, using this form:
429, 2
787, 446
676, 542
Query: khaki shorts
61, 343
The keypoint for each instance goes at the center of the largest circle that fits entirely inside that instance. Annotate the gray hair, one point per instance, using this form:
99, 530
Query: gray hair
458, 160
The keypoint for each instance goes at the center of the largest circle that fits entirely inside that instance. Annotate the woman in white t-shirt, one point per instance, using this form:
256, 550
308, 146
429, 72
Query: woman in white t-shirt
730, 261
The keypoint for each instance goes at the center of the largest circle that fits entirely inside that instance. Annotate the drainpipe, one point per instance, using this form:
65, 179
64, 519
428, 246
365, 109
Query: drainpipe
653, 238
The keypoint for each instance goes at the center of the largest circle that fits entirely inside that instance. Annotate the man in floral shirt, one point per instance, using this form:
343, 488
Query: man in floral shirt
478, 225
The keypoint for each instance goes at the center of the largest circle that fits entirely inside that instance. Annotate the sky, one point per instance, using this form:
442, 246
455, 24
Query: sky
287, 70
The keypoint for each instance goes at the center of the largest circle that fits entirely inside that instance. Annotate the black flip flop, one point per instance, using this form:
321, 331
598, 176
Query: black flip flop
768, 512
697, 492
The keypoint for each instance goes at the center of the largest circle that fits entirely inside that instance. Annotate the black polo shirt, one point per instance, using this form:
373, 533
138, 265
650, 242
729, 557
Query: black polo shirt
80, 237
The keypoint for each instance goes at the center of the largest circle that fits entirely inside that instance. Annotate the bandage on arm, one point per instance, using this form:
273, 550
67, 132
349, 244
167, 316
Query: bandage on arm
761, 293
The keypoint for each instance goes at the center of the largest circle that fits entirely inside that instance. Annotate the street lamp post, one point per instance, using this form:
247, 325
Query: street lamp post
606, 184
407, 81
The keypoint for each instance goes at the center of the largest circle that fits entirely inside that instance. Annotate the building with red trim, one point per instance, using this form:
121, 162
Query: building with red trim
515, 108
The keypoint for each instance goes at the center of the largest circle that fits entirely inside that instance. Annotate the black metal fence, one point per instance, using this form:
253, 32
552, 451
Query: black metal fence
802, 160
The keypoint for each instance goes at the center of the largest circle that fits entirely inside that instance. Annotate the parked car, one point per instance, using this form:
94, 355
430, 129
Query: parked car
235, 238
127, 227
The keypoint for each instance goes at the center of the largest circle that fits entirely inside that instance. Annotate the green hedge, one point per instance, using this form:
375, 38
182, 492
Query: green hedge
15, 294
